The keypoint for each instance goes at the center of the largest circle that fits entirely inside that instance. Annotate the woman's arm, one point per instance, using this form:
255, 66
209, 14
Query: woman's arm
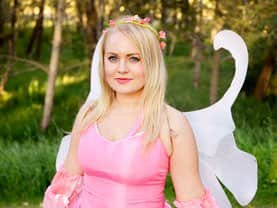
190, 192
63, 190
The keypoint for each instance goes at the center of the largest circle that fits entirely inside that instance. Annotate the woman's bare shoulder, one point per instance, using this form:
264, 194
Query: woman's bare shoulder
168, 129
178, 128
182, 130
177, 120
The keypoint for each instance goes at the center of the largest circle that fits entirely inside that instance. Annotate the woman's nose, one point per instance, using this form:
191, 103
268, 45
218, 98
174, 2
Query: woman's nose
123, 66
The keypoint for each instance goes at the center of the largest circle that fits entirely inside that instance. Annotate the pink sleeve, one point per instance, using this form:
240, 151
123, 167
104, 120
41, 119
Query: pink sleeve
63, 190
206, 201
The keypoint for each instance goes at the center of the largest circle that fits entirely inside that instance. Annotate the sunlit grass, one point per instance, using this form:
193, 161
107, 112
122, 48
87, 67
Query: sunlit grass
69, 79
5, 97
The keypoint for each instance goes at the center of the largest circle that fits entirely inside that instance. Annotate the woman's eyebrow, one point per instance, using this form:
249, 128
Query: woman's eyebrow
129, 54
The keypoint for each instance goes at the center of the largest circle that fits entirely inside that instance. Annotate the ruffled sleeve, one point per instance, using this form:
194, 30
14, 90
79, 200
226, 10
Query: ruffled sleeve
206, 201
63, 190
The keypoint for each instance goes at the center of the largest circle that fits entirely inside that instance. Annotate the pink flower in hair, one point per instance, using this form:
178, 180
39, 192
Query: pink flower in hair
162, 34
112, 23
163, 45
146, 20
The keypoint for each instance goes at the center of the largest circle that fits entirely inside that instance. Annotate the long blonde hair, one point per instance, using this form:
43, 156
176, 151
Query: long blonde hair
153, 94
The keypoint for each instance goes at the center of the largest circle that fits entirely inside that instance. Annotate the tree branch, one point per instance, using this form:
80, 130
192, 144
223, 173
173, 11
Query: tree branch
31, 62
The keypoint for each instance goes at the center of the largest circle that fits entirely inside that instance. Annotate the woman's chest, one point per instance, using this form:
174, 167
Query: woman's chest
124, 161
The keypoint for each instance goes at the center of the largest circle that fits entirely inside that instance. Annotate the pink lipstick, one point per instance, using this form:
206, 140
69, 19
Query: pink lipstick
123, 80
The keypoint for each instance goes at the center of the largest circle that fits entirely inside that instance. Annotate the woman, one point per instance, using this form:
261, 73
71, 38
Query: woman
124, 144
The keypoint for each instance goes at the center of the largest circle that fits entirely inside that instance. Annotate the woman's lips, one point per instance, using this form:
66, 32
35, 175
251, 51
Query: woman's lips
123, 80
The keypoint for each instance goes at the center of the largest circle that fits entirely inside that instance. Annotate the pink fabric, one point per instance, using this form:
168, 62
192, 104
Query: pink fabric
119, 174
116, 174
64, 188
207, 201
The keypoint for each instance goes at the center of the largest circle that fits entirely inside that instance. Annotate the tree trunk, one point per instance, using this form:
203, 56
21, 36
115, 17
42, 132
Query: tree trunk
53, 67
5, 76
197, 58
2, 22
11, 48
36, 36
100, 17
198, 46
216, 57
13, 31
40, 30
91, 26
80, 23
116, 7
172, 45
163, 11
264, 78
214, 76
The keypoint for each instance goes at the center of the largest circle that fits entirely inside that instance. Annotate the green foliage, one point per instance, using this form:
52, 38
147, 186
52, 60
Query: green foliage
272, 177
26, 168
181, 49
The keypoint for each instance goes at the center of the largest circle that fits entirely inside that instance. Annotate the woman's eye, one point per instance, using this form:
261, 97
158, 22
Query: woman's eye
134, 59
112, 58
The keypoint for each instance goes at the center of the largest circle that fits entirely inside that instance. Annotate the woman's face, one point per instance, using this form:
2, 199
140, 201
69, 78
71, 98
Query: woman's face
123, 65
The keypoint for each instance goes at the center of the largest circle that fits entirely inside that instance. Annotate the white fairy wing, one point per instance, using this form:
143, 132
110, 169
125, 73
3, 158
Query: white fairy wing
63, 150
213, 129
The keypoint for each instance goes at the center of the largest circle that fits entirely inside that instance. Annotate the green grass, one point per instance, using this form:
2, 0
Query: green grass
27, 155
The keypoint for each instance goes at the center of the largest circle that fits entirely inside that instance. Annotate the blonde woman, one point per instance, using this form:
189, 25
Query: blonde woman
125, 142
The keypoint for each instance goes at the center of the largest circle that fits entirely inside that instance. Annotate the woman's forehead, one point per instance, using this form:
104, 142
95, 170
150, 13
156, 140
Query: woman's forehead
117, 42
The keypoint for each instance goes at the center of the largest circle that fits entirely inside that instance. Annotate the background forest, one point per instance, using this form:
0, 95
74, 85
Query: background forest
45, 53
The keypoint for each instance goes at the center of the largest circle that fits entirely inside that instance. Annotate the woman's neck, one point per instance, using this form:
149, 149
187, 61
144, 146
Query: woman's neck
129, 103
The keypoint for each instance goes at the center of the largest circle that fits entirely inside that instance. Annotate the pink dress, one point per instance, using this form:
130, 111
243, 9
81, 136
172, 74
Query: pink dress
119, 174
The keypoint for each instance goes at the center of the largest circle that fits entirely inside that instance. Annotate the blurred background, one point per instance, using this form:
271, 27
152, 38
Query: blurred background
45, 53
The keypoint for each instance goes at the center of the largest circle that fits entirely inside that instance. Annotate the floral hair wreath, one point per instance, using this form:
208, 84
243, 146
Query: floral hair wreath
136, 20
